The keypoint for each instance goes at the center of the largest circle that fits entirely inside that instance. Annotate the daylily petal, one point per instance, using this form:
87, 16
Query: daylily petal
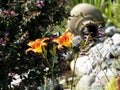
59, 46
57, 40
39, 50
36, 46
43, 39
65, 39
29, 49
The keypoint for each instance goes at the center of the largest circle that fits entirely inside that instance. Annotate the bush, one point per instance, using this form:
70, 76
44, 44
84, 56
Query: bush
22, 21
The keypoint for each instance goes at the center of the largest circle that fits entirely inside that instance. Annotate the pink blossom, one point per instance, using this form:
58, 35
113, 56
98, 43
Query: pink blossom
0, 11
13, 13
40, 3
10, 74
6, 12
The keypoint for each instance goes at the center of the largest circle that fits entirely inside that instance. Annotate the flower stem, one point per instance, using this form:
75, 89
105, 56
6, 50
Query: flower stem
73, 75
76, 56
45, 82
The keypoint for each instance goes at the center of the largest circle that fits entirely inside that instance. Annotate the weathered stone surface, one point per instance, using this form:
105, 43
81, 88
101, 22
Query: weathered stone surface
82, 66
76, 40
102, 61
111, 30
85, 82
116, 39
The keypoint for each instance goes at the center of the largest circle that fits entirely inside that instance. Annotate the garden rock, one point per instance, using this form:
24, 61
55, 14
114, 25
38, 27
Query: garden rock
85, 82
111, 30
16, 81
116, 39
76, 40
82, 66
101, 62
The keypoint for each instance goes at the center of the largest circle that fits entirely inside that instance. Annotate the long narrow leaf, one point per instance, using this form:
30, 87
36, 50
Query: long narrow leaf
110, 8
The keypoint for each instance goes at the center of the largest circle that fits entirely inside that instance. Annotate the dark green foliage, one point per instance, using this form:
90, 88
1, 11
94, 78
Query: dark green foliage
20, 22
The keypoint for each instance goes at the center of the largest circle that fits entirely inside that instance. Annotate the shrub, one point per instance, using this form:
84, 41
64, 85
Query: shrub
22, 21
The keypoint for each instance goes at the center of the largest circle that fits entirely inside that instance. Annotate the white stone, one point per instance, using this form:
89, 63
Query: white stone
108, 41
82, 66
97, 61
116, 39
76, 40
85, 82
115, 51
110, 30
106, 73
16, 81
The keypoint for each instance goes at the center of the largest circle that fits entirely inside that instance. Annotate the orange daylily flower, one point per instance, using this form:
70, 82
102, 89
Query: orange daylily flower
36, 46
64, 40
